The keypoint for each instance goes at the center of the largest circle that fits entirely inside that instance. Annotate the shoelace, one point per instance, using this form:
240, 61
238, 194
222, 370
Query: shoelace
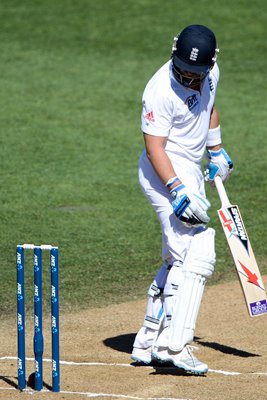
190, 350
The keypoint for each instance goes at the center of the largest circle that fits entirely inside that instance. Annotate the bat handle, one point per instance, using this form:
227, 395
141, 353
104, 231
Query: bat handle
221, 191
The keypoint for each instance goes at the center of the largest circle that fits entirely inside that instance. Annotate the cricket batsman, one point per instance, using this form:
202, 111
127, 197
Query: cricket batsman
180, 124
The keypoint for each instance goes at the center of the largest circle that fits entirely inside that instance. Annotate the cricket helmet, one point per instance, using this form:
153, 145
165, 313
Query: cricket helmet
194, 51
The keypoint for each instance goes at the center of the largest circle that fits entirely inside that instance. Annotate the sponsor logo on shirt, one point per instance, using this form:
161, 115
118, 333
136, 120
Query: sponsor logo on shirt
150, 116
191, 101
211, 85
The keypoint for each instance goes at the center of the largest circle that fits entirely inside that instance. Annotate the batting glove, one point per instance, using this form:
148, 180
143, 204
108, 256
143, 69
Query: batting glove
190, 208
220, 164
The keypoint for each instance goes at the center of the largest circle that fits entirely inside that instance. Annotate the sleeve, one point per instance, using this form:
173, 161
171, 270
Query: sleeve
156, 118
215, 74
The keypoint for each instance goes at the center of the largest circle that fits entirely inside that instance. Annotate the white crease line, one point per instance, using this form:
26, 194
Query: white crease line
94, 364
85, 363
89, 394
216, 371
122, 396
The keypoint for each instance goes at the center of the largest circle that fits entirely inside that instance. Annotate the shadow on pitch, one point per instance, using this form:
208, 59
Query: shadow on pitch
225, 349
9, 380
13, 382
124, 343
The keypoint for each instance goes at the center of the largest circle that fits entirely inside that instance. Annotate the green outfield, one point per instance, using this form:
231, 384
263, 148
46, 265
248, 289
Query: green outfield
71, 79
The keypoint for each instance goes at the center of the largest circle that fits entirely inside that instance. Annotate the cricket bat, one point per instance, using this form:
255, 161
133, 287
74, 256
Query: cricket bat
242, 253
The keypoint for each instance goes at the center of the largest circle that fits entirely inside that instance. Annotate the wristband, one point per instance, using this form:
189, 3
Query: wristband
171, 181
214, 136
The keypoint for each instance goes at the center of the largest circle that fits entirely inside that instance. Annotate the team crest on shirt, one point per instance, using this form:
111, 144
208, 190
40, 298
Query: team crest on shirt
191, 101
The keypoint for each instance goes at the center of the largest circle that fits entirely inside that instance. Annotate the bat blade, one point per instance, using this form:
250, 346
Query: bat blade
244, 259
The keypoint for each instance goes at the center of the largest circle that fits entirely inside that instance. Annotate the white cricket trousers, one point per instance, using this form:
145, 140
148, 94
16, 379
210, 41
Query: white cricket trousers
175, 236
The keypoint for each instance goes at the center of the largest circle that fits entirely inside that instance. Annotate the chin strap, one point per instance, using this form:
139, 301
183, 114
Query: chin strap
185, 80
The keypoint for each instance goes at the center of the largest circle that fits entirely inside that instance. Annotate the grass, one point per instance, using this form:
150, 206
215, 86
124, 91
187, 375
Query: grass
72, 75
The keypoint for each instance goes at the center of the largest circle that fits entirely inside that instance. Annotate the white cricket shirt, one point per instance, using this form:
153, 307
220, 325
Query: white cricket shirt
178, 113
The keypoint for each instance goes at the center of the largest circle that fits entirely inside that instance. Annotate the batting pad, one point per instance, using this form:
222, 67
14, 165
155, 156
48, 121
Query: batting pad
198, 266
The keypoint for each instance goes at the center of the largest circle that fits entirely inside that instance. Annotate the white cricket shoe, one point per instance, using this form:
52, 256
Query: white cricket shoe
143, 356
183, 359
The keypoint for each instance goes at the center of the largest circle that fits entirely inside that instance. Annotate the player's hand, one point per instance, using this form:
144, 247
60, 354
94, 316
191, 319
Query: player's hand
220, 164
190, 208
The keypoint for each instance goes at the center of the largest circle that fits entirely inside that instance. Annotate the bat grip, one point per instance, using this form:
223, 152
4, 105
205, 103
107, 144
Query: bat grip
221, 191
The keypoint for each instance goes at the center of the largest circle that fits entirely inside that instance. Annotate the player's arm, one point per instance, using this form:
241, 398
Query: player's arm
189, 208
155, 148
214, 139
220, 164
